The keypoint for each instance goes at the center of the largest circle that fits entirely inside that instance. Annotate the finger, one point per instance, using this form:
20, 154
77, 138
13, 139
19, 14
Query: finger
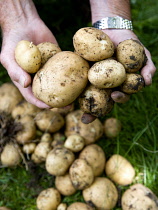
120, 97
87, 118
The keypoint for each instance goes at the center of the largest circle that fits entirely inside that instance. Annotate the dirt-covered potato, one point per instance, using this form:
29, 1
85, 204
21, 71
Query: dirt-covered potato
48, 199
10, 155
132, 84
139, 197
131, 54
49, 121
28, 131
29, 148
28, 56
24, 108
107, 73
64, 185
81, 174
93, 44
59, 160
96, 101
102, 194
90, 132
74, 142
58, 139
46, 137
79, 206
10, 96
61, 80
95, 157
47, 50
119, 170
112, 127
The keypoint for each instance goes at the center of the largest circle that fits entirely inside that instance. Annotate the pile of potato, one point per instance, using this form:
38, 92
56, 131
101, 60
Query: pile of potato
69, 151
89, 74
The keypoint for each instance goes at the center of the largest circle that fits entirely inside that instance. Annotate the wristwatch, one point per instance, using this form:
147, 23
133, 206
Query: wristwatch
116, 22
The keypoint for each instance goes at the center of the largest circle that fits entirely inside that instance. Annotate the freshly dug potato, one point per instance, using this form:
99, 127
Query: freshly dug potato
131, 54
49, 121
62, 206
119, 170
96, 101
133, 83
107, 73
29, 148
112, 127
64, 185
46, 137
10, 155
58, 139
28, 131
28, 56
74, 142
81, 174
47, 50
24, 108
93, 44
64, 110
61, 80
59, 160
95, 157
139, 197
10, 97
90, 132
48, 199
79, 206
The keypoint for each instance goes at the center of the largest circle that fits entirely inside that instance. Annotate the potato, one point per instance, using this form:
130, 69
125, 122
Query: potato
48, 121
10, 97
102, 194
131, 54
29, 148
10, 155
107, 74
79, 206
81, 174
139, 197
47, 50
90, 132
58, 139
95, 157
119, 170
64, 110
59, 160
132, 84
48, 199
93, 44
112, 127
96, 101
74, 142
62, 206
28, 131
28, 56
46, 137
64, 185
61, 80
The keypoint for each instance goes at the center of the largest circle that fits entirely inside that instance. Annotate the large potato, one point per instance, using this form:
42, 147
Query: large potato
93, 44
61, 80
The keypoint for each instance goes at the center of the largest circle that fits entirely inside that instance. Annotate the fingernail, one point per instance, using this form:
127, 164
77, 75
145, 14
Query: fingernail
22, 81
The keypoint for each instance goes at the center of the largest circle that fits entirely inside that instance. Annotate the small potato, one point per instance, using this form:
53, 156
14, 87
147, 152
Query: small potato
62, 206
79, 206
102, 194
95, 157
59, 160
64, 185
48, 199
139, 197
107, 74
81, 174
131, 54
132, 84
46, 137
28, 56
119, 170
112, 127
47, 50
74, 142
42, 149
93, 44
96, 101
29, 148
58, 139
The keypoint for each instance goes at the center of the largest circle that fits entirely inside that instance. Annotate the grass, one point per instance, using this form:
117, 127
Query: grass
138, 140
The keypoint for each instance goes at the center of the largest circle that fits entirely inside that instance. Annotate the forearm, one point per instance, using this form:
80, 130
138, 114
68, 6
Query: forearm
109, 8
